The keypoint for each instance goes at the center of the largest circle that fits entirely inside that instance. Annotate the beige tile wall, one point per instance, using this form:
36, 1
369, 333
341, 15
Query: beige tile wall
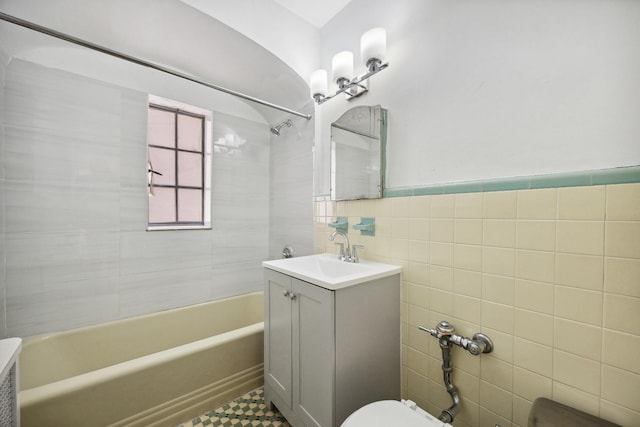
551, 275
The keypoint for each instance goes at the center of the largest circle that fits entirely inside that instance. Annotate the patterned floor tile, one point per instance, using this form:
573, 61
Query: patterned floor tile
248, 410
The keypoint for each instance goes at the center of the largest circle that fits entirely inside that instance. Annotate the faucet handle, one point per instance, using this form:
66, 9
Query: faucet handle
483, 344
341, 253
354, 254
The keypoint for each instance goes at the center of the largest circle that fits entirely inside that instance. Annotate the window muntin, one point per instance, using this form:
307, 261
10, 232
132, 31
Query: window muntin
179, 163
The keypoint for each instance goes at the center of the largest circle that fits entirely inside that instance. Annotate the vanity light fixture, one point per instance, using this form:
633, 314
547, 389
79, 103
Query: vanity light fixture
373, 45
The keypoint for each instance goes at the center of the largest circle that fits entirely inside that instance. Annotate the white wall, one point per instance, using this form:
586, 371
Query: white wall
77, 252
74, 199
171, 34
494, 88
291, 183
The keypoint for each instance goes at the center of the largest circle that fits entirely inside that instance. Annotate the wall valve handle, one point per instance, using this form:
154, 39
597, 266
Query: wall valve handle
480, 344
444, 331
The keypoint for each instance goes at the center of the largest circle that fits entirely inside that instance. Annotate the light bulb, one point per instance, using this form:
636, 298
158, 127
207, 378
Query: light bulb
373, 45
318, 83
342, 66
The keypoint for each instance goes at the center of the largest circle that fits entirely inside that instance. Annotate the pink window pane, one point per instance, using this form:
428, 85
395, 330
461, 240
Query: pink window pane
162, 205
189, 133
163, 161
189, 205
161, 128
189, 169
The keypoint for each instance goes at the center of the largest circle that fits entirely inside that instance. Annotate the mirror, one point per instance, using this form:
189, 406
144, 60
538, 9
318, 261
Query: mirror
358, 142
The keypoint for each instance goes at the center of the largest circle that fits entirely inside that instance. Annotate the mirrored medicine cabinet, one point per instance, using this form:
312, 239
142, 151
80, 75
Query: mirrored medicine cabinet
358, 145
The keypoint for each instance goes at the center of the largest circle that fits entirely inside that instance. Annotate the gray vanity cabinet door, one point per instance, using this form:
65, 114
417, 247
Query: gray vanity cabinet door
313, 354
277, 357
327, 353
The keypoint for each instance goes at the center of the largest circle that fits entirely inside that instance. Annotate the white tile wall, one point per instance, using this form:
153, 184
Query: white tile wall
74, 204
291, 205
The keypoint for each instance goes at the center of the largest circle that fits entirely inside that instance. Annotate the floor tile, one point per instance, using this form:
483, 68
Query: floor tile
248, 410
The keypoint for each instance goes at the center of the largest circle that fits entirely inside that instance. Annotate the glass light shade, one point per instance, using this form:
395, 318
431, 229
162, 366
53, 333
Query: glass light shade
318, 83
373, 44
342, 65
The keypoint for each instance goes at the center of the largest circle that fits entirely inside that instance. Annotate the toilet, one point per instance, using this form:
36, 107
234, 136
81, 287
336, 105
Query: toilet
385, 413
406, 413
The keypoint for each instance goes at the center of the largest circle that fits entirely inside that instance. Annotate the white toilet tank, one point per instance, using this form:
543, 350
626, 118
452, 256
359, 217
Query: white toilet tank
387, 413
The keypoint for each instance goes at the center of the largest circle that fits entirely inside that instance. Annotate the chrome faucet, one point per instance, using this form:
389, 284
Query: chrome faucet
345, 249
354, 253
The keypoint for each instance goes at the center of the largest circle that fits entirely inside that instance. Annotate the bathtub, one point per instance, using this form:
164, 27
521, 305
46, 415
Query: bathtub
154, 370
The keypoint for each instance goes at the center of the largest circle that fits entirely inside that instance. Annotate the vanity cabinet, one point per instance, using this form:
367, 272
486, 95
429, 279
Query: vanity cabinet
329, 352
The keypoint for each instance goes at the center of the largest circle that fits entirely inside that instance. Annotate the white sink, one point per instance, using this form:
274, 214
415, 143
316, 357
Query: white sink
328, 271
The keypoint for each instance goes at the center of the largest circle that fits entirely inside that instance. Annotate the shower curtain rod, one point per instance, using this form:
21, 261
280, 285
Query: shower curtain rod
84, 43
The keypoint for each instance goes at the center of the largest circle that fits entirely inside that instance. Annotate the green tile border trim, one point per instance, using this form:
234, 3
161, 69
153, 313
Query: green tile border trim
622, 175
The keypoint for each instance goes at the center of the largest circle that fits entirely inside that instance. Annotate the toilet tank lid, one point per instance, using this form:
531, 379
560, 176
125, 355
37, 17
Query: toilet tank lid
387, 413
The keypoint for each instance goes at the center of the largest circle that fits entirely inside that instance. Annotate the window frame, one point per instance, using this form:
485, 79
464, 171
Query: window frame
178, 108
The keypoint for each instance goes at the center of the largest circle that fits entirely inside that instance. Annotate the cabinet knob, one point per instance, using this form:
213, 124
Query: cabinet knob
289, 294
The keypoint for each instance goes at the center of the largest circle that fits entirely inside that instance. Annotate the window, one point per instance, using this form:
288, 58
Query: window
179, 165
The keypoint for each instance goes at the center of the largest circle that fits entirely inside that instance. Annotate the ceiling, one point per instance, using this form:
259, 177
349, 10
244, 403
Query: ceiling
315, 12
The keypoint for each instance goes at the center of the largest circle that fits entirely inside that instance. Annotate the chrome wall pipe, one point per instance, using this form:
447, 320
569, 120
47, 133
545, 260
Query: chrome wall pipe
480, 343
448, 414
447, 337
